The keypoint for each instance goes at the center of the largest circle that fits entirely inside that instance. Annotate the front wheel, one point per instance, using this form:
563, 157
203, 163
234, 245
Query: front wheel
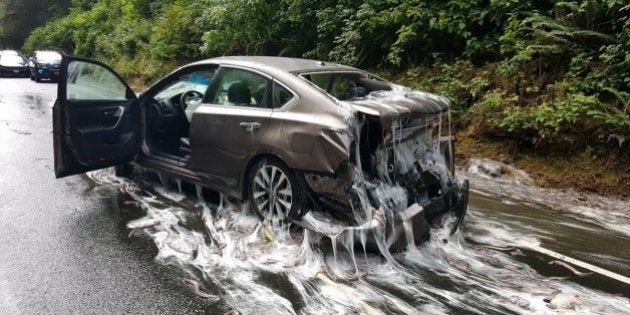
274, 193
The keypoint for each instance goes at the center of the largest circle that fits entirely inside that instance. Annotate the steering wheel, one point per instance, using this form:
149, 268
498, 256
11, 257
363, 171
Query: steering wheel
189, 97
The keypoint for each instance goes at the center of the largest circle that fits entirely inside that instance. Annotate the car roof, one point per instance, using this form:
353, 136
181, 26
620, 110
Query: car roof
281, 64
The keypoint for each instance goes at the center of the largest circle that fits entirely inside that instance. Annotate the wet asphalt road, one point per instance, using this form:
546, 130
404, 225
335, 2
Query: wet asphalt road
63, 243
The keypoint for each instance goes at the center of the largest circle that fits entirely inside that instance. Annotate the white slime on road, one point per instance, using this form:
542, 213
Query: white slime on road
227, 250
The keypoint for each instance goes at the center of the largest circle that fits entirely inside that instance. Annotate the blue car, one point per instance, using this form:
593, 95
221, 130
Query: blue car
45, 65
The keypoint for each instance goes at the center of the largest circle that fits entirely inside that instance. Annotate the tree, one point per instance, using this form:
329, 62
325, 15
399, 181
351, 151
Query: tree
19, 17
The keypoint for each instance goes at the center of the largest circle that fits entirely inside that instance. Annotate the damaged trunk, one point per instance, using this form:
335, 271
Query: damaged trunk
400, 173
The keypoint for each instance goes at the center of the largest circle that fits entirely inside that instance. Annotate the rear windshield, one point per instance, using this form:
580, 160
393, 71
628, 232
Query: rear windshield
347, 85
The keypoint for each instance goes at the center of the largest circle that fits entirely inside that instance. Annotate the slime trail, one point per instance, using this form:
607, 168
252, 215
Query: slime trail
293, 274
575, 271
197, 290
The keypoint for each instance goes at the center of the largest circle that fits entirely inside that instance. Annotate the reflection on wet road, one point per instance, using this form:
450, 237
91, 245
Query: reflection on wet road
483, 269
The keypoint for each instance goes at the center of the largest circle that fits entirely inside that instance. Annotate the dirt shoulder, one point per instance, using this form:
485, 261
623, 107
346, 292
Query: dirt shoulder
603, 174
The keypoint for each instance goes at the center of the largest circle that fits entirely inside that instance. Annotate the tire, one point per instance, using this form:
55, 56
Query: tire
123, 170
274, 193
38, 79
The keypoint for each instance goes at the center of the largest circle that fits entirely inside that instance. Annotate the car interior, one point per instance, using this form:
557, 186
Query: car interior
169, 112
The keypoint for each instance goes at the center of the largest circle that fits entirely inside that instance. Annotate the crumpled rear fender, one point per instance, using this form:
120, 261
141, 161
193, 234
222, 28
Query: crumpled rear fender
323, 151
309, 140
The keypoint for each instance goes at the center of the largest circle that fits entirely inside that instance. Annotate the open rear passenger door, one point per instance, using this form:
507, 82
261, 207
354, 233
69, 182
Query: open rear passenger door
96, 118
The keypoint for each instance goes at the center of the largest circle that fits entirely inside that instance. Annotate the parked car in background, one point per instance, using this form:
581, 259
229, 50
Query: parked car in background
44, 65
289, 135
13, 65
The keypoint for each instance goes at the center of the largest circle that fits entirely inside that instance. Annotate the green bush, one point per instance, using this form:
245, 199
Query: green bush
551, 118
490, 109
460, 81
543, 70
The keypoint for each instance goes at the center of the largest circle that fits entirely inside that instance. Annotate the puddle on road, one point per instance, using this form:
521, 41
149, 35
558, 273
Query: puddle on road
227, 251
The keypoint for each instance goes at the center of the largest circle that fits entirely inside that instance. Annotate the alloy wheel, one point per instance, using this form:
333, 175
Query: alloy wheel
272, 193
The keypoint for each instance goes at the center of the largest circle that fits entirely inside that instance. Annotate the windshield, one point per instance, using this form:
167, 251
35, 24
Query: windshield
347, 85
9, 52
48, 56
12, 60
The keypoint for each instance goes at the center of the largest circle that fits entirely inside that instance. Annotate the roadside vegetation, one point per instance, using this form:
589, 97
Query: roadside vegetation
541, 84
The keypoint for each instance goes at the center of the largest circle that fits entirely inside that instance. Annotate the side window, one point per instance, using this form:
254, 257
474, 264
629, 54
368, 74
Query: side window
237, 87
87, 81
281, 95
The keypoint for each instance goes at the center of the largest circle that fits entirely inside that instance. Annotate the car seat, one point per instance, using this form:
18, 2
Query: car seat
239, 94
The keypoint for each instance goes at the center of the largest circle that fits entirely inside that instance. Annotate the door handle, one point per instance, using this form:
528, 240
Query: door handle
114, 112
250, 126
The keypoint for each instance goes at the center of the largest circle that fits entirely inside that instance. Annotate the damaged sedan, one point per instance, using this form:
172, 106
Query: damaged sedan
326, 146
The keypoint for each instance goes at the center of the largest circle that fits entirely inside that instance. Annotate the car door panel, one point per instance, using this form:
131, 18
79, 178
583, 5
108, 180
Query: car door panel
223, 138
98, 115
104, 130
96, 118
226, 128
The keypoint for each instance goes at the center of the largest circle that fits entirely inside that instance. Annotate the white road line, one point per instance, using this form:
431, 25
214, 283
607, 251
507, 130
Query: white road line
576, 262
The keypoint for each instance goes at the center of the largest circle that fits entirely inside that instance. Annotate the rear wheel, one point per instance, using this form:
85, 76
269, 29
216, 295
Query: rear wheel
274, 193
37, 78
